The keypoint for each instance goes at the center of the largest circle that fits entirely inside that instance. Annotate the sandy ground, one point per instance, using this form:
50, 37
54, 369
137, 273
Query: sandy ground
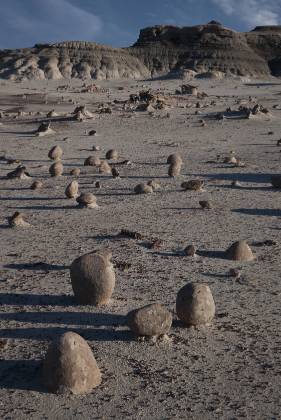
229, 370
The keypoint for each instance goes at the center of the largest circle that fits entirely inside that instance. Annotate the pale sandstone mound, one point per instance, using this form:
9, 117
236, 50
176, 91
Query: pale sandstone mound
70, 366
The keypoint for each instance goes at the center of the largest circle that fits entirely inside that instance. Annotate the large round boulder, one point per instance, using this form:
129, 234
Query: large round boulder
239, 251
151, 320
93, 278
70, 366
195, 304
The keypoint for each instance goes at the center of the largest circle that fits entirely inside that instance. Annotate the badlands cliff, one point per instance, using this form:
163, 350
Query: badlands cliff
159, 51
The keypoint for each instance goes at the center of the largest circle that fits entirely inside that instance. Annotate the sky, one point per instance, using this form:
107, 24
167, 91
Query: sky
118, 22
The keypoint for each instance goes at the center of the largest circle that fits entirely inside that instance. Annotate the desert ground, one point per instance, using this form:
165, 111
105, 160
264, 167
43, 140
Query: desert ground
227, 370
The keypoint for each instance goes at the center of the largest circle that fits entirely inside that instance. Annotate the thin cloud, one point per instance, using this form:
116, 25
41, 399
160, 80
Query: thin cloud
252, 12
48, 21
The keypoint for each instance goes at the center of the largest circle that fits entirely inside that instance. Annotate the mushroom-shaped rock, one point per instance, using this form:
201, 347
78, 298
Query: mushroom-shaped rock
104, 168
239, 251
71, 190
111, 154
92, 161
276, 181
175, 158
174, 169
143, 189
36, 185
195, 304
154, 184
17, 220
87, 199
75, 172
151, 320
70, 366
193, 185
93, 278
55, 153
56, 169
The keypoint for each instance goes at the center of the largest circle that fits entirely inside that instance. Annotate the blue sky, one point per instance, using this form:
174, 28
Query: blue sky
117, 22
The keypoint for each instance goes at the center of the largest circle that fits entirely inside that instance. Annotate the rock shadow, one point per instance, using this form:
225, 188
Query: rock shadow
212, 254
40, 265
51, 333
27, 299
21, 374
259, 212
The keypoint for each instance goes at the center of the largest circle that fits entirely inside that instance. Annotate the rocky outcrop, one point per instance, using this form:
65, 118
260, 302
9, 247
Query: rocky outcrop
159, 51
210, 47
85, 60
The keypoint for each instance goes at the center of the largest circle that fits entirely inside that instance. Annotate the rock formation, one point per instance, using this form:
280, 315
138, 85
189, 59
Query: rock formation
159, 51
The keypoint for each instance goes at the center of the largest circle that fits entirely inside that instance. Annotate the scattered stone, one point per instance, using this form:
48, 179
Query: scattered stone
151, 320
81, 113
104, 167
70, 366
239, 251
131, 234
175, 158
193, 185
234, 272
92, 161
195, 304
154, 184
111, 154
174, 170
93, 278
205, 204
56, 169
75, 172
20, 172
115, 173
236, 184
143, 189
55, 153
71, 190
44, 129
52, 114
17, 220
36, 185
96, 148
230, 159
190, 251
87, 199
